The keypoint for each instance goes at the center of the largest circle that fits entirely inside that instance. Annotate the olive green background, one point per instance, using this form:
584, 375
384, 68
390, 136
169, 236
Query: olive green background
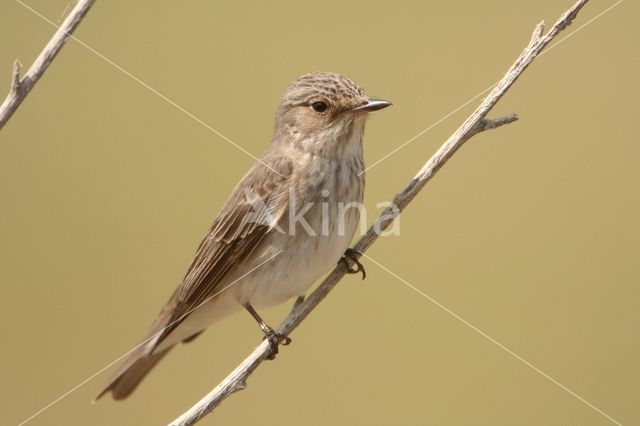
530, 233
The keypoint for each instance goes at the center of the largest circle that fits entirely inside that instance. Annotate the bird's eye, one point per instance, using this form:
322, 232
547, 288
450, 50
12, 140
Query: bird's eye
319, 106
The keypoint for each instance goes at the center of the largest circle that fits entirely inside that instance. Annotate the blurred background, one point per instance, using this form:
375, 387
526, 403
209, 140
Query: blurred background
530, 232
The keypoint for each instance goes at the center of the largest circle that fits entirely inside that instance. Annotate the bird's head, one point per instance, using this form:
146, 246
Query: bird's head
322, 108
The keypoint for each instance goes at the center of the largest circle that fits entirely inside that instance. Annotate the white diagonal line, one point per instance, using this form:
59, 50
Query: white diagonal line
494, 341
91, 377
422, 132
146, 86
582, 26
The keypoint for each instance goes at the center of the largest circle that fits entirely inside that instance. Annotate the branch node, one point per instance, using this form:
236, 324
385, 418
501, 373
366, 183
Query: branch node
20, 88
567, 18
488, 124
15, 77
538, 31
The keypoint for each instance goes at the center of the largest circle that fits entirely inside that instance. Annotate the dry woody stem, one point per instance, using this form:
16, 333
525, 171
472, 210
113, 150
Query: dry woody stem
476, 123
20, 87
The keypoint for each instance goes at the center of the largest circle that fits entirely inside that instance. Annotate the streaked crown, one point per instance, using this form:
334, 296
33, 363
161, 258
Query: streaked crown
318, 86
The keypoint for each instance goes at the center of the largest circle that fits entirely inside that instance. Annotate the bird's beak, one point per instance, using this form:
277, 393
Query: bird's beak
372, 105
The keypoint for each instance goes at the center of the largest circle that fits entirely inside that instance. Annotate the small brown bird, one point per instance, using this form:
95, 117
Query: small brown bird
288, 221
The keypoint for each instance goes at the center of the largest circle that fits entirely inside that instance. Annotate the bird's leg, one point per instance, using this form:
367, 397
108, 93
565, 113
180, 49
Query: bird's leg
353, 255
274, 338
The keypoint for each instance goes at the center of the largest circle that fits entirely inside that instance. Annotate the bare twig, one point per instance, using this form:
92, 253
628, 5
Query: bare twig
476, 123
21, 87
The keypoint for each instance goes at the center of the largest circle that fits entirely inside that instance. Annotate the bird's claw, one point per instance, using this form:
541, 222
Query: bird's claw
352, 255
276, 339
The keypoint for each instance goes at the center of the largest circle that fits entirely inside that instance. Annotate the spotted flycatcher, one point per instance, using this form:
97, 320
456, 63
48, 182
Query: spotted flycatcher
288, 221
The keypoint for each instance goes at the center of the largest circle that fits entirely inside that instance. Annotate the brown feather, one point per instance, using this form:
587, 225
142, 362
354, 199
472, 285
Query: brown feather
230, 241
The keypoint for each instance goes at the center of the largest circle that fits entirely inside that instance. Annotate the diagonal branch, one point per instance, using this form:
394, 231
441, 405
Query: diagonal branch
21, 87
475, 123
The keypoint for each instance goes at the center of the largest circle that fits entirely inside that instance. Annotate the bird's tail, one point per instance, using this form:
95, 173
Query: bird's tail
129, 375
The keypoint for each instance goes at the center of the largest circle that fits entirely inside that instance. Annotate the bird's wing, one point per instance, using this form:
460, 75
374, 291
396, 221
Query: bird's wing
262, 195
249, 214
